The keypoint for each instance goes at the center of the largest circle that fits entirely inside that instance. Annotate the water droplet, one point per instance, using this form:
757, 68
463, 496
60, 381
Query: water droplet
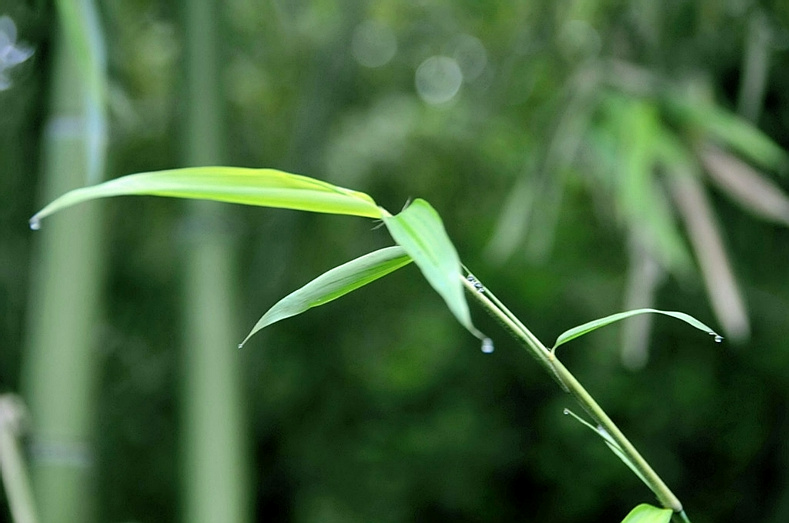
718, 338
475, 282
566, 412
35, 224
487, 346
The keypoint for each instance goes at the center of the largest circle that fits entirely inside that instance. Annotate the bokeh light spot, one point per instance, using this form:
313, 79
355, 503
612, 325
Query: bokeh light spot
470, 55
438, 79
373, 44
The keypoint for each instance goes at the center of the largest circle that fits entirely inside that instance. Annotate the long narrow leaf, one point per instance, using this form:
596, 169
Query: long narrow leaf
335, 283
645, 513
705, 236
734, 131
420, 231
747, 186
586, 328
263, 187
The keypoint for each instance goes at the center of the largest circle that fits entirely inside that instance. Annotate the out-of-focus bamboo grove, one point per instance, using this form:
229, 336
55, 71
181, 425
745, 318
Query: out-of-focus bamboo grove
586, 157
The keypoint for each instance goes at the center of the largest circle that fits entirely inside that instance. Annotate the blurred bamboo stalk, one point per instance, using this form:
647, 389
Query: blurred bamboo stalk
13, 419
216, 485
61, 364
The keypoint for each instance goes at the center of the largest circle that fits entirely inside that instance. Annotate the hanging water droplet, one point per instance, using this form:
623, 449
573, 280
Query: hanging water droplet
487, 346
718, 338
35, 224
240, 345
566, 412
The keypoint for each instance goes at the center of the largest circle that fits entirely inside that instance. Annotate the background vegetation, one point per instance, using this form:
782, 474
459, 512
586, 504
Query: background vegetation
540, 132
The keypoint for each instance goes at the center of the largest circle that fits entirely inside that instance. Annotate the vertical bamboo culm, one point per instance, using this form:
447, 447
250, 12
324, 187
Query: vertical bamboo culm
61, 362
215, 459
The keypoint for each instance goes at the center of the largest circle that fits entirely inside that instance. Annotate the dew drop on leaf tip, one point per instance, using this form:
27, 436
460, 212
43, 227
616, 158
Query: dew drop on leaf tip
717, 337
35, 224
487, 346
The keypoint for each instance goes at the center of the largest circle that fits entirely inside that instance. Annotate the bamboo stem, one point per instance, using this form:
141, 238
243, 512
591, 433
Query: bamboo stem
61, 365
571, 385
216, 478
12, 464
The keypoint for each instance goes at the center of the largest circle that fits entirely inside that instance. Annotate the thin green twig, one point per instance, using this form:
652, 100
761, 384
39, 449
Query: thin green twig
568, 382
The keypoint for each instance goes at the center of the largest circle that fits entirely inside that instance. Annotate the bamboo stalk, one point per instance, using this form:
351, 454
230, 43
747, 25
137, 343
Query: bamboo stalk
215, 481
13, 418
60, 366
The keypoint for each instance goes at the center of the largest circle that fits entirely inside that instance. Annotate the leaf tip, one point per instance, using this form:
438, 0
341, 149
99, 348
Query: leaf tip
35, 223
245, 340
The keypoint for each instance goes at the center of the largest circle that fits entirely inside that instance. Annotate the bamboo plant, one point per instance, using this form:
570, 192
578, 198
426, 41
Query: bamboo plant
420, 237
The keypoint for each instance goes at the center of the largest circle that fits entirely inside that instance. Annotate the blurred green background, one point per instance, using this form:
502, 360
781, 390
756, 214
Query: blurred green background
586, 157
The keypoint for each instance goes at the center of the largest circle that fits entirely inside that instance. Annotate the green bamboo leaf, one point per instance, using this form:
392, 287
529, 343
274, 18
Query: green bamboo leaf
645, 513
732, 130
643, 201
586, 328
263, 187
335, 283
420, 231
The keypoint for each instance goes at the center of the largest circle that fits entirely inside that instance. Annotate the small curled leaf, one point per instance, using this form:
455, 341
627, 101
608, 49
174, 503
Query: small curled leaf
588, 327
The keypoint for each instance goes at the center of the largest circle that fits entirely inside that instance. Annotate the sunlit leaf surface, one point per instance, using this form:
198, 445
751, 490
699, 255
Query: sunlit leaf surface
261, 187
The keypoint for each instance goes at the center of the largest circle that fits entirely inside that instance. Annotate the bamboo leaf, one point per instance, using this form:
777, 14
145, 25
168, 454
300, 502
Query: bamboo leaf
335, 283
420, 231
640, 197
263, 187
588, 327
645, 513
716, 268
747, 186
734, 131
